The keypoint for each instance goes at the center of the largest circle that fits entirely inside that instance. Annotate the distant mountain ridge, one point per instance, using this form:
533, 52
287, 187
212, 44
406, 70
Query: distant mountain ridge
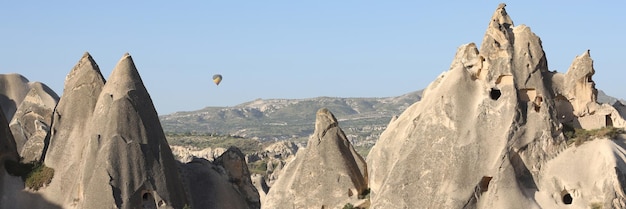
604, 98
279, 119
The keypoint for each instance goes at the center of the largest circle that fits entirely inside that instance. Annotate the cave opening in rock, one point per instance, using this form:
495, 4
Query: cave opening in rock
495, 93
148, 201
566, 197
609, 121
537, 103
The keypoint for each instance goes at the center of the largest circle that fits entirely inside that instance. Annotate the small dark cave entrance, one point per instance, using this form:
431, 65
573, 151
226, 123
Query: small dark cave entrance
537, 102
495, 93
148, 201
609, 121
566, 197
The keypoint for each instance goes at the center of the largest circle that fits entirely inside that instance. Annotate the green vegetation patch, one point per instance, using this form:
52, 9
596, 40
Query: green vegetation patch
348, 206
201, 140
258, 167
363, 150
35, 174
579, 136
596, 205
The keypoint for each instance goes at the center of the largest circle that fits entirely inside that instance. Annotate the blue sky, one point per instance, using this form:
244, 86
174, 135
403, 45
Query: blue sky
291, 49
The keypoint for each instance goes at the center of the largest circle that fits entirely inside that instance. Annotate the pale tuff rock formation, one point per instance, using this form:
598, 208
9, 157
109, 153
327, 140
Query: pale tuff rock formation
588, 176
275, 155
187, 154
125, 160
69, 131
28, 108
576, 99
13, 89
260, 184
32, 120
486, 134
233, 161
29, 105
82, 87
12, 193
224, 183
577, 85
127, 153
327, 174
282, 149
107, 148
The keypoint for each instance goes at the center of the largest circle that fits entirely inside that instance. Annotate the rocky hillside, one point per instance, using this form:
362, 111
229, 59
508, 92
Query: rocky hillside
363, 119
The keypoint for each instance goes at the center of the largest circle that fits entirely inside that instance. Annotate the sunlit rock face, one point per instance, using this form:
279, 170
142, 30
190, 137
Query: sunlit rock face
327, 174
107, 145
487, 133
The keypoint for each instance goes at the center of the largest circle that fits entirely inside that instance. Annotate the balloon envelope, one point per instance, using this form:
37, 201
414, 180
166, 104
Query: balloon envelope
217, 78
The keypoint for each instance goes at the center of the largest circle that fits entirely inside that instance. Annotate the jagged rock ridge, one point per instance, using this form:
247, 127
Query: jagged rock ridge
486, 132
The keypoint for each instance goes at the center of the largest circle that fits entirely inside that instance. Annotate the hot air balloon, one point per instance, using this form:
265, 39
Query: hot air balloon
217, 78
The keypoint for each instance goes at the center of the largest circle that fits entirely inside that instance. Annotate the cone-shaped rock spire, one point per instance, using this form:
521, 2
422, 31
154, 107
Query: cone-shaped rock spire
327, 174
127, 153
480, 126
108, 144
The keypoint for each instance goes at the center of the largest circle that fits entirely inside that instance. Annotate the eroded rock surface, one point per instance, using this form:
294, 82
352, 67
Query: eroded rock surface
327, 174
488, 132
13, 89
108, 145
32, 120
224, 183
